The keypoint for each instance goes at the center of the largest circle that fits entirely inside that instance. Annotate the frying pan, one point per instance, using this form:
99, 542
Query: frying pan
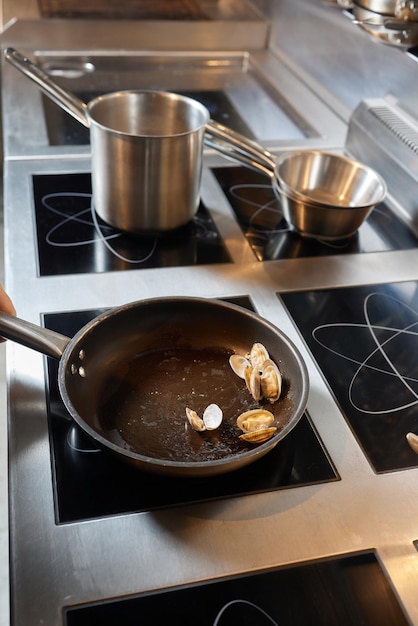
128, 375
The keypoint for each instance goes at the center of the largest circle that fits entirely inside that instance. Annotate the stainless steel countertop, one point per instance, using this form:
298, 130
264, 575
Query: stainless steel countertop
66, 564
58, 565
4, 511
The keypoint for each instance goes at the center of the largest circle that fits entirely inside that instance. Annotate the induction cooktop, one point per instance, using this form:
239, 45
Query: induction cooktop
72, 239
365, 341
90, 483
348, 590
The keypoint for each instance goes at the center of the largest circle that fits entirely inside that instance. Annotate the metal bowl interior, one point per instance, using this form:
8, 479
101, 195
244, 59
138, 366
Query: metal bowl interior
329, 180
129, 402
148, 114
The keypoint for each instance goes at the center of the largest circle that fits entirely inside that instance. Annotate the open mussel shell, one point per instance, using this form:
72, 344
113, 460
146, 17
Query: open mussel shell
255, 419
239, 364
258, 355
270, 381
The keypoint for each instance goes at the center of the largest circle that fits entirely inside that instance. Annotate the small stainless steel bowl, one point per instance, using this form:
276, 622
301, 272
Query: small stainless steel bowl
325, 195
383, 7
402, 9
324, 222
393, 31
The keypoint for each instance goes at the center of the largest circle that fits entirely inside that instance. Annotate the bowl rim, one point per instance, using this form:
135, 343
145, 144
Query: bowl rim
283, 187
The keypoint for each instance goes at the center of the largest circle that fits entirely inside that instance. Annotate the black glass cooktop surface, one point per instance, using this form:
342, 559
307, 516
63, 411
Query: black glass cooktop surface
72, 239
259, 215
348, 590
91, 483
365, 341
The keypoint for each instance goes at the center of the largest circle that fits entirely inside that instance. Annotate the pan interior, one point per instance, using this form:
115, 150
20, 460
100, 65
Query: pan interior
144, 401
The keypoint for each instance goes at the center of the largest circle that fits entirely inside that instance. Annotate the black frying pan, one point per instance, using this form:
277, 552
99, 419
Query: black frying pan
128, 375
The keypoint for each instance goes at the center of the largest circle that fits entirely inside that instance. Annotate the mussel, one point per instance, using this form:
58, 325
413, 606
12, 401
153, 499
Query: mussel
257, 425
260, 372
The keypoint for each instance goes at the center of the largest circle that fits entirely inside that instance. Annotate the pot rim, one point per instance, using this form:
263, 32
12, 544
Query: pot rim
291, 192
153, 94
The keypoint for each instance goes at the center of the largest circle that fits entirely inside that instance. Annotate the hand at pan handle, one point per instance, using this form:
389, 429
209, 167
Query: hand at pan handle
6, 305
412, 439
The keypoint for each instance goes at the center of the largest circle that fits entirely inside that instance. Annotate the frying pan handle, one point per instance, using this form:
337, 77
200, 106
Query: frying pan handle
239, 148
66, 100
32, 336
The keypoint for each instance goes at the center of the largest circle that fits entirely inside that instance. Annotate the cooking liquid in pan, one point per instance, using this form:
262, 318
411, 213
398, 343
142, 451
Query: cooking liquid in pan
143, 405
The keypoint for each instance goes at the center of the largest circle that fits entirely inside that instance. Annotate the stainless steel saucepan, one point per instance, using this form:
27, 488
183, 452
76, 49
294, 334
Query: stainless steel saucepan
147, 149
146, 152
127, 377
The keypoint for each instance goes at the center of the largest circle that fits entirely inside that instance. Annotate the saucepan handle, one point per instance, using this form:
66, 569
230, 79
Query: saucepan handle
32, 336
237, 147
66, 100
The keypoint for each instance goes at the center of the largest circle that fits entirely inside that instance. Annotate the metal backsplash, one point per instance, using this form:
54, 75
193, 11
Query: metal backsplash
341, 60
384, 136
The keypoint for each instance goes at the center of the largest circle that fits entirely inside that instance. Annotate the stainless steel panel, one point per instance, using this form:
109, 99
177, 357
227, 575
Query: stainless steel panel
57, 565
276, 107
338, 59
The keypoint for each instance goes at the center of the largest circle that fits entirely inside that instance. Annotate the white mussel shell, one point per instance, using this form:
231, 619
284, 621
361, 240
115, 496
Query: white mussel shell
261, 374
212, 417
248, 374
270, 381
195, 420
240, 365
255, 419
258, 354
